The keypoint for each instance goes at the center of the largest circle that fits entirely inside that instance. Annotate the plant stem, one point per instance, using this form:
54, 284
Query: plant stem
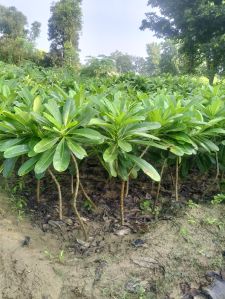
215, 181
177, 180
127, 187
217, 167
38, 190
75, 198
59, 193
88, 197
161, 174
72, 188
122, 203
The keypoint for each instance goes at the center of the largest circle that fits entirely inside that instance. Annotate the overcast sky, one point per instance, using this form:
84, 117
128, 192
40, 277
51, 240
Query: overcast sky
108, 25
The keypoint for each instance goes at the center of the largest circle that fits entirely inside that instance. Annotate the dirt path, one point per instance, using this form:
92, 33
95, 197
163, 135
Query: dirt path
132, 266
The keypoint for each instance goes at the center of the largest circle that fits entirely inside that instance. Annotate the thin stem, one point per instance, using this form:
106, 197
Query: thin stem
38, 190
72, 187
215, 181
152, 188
75, 197
177, 180
122, 203
127, 187
161, 174
59, 192
144, 151
217, 167
141, 156
88, 197
171, 177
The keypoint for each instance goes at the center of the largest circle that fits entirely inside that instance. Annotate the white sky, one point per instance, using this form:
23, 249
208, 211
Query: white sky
108, 25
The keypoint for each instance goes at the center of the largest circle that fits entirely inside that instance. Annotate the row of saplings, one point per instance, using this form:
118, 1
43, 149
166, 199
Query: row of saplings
119, 132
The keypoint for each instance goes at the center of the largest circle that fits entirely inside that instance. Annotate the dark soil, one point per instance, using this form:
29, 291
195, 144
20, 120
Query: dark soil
154, 255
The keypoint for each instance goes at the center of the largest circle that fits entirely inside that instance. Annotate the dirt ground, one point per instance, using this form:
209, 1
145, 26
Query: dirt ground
123, 263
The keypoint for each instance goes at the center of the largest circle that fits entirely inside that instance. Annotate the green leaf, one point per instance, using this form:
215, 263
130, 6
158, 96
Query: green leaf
61, 157
110, 154
44, 162
37, 104
176, 150
76, 149
27, 166
8, 166
5, 91
17, 150
98, 122
211, 145
181, 136
145, 167
125, 146
68, 111
5, 144
52, 120
89, 134
45, 144
39, 176
53, 109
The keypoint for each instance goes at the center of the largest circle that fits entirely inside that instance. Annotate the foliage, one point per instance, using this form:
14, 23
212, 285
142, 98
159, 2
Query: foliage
98, 67
51, 119
153, 59
12, 22
64, 27
16, 41
123, 62
198, 25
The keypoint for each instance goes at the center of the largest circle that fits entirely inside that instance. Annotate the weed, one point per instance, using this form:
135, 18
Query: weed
18, 206
191, 219
58, 258
214, 221
148, 207
192, 204
61, 256
218, 199
49, 255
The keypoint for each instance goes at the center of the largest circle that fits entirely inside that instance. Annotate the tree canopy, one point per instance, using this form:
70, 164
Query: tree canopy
198, 25
64, 27
17, 41
12, 22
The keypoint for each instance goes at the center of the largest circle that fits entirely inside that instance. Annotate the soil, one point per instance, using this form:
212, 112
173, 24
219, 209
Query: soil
48, 259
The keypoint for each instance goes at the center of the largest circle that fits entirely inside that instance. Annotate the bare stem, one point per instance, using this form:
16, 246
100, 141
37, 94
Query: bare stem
75, 197
161, 174
59, 192
215, 181
127, 187
72, 187
90, 201
122, 203
38, 190
217, 167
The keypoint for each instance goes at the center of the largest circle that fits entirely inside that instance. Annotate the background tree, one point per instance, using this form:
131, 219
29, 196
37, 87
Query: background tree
169, 59
12, 22
124, 62
153, 59
99, 66
64, 27
35, 31
16, 40
199, 25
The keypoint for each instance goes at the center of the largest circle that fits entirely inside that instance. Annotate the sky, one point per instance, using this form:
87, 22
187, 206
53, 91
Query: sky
108, 25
